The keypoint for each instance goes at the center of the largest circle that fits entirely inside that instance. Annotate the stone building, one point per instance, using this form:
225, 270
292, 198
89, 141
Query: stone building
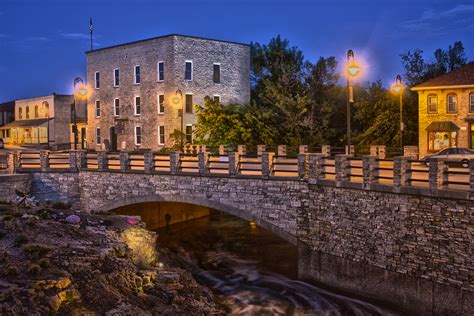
7, 115
140, 89
446, 111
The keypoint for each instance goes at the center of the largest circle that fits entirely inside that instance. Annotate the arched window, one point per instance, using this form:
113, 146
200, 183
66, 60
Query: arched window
471, 102
432, 103
451, 103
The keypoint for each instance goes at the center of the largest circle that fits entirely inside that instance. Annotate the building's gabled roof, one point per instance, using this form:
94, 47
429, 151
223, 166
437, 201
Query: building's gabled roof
461, 77
164, 36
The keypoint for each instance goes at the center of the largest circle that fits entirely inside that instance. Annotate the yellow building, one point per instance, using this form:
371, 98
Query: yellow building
446, 111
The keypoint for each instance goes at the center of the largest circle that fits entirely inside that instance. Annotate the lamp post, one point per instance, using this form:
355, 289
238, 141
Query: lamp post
397, 88
81, 92
352, 70
178, 99
45, 110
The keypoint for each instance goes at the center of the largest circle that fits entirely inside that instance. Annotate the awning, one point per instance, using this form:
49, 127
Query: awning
442, 126
26, 123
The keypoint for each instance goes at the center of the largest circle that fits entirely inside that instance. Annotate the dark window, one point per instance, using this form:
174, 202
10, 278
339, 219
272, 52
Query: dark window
97, 136
27, 112
161, 104
432, 104
97, 108
161, 131
189, 103
20, 113
138, 106
36, 111
116, 77
161, 71
189, 134
217, 73
97, 80
188, 71
116, 107
137, 75
138, 135
471, 102
451, 103
217, 99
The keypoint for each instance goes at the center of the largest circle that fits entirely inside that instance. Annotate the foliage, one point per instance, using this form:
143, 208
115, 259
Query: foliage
34, 269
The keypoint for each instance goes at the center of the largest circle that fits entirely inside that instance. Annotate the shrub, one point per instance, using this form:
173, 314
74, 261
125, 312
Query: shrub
15, 213
11, 270
36, 250
20, 240
44, 263
60, 205
34, 269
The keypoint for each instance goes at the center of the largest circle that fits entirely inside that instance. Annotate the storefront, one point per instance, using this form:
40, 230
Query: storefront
27, 132
442, 135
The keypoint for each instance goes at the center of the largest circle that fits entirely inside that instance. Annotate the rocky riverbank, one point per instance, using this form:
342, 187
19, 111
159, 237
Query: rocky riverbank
56, 261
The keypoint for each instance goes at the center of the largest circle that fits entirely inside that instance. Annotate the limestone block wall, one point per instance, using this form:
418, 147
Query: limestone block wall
57, 187
10, 183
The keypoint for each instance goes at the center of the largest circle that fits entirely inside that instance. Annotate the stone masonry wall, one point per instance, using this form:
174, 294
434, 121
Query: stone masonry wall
57, 187
10, 183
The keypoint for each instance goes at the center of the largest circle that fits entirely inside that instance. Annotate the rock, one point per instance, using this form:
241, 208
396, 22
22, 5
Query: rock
54, 302
73, 219
132, 220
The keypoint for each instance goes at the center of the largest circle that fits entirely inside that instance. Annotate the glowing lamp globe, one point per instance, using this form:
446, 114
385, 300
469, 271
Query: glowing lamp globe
397, 88
353, 70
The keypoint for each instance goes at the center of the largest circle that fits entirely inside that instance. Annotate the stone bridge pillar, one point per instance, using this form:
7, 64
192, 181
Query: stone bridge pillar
12, 162
438, 176
370, 171
260, 150
266, 164
302, 166
148, 162
102, 160
326, 150
174, 162
44, 160
233, 162
124, 161
401, 172
81, 159
342, 166
202, 162
315, 167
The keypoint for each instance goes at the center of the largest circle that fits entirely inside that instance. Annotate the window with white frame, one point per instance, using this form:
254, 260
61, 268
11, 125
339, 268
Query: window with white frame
97, 136
189, 134
138, 135
161, 104
161, 71
432, 103
188, 70
161, 135
116, 77
97, 108
116, 107
451, 106
137, 73
217, 98
138, 109
97, 80
216, 73
471, 102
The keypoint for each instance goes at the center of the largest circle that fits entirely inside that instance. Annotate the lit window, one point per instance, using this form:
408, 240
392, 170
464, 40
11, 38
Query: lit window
451, 103
188, 70
116, 77
138, 135
161, 135
471, 102
161, 71
161, 104
97, 80
36, 111
97, 136
138, 109
27, 112
189, 134
189, 103
432, 103
116, 107
137, 74
97, 108
216, 73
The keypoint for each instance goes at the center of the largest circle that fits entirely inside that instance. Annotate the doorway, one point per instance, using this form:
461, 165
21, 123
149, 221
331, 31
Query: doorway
471, 135
83, 137
113, 139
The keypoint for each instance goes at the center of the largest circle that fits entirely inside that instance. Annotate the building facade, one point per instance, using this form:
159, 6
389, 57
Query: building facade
446, 111
45, 122
7, 115
140, 89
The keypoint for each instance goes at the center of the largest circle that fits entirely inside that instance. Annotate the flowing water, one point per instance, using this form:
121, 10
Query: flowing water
251, 270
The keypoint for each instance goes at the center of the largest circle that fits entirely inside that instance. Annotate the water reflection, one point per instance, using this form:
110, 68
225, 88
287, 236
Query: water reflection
251, 270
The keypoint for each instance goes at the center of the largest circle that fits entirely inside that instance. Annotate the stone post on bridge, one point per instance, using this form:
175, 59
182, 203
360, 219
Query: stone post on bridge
174, 162
401, 172
102, 160
260, 150
12, 162
202, 163
438, 176
266, 164
73, 160
302, 166
471, 178
326, 150
148, 161
370, 171
303, 149
81, 159
342, 167
281, 150
124, 157
233, 161
315, 167
44, 160
242, 150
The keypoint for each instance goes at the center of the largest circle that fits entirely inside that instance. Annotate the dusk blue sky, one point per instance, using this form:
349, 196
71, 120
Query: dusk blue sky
42, 42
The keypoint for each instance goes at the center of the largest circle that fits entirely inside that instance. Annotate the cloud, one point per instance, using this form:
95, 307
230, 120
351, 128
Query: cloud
37, 39
75, 36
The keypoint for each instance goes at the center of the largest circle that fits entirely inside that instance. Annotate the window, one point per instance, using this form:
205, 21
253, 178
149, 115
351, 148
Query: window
97, 80
471, 102
116, 107
161, 104
189, 134
97, 136
188, 70
137, 74
451, 106
97, 108
27, 112
116, 77
161, 135
161, 71
138, 109
217, 98
36, 111
216, 77
20, 113
189, 103
138, 135
432, 103
441, 140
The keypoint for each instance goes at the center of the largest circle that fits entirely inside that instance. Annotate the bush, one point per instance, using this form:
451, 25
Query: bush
34, 269
44, 263
15, 213
20, 240
11, 270
36, 250
60, 205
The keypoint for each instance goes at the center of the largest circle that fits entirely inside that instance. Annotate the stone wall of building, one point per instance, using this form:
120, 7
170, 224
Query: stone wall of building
9, 184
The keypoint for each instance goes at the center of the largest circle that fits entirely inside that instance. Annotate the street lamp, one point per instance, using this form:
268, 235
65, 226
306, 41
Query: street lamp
45, 110
352, 71
80, 92
397, 88
178, 100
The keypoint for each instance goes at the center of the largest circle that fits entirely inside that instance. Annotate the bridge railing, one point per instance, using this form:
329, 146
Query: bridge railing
400, 174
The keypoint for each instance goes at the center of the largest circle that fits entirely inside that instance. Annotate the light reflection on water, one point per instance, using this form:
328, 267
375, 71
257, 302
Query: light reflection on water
251, 270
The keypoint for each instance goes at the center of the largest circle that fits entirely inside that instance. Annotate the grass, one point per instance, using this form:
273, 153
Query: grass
20, 240
11, 270
36, 250
34, 269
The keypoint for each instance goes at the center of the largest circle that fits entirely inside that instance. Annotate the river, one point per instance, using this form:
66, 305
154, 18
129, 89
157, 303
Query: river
251, 270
